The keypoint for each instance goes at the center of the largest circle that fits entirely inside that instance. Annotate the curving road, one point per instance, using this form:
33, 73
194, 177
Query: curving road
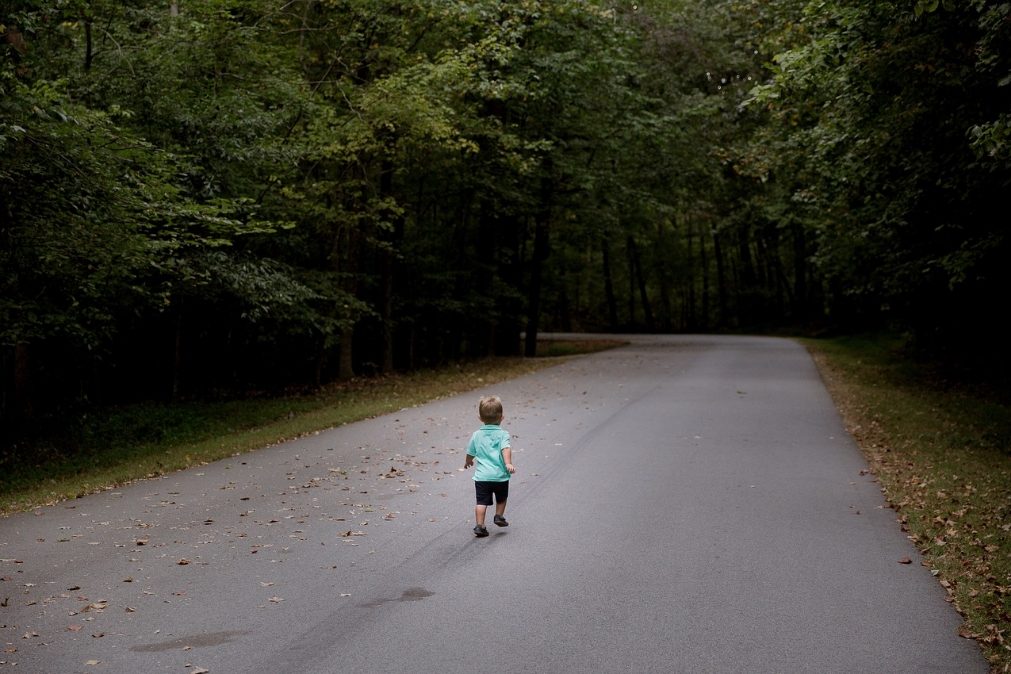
682, 504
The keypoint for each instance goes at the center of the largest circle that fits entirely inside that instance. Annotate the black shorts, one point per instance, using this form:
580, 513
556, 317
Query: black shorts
486, 489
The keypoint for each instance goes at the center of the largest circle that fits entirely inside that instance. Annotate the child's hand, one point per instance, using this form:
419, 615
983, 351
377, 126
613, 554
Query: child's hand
469, 461
511, 468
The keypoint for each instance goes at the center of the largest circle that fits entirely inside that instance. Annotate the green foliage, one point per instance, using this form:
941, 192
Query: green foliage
277, 195
887, 128
69, 220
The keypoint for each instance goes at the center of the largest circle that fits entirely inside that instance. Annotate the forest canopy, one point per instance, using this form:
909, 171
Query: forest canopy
224, 196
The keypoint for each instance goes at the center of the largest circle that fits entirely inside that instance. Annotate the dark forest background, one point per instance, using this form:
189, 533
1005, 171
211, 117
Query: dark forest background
226, 197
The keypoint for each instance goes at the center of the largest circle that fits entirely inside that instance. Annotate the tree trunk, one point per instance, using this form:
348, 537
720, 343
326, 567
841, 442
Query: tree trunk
320, 361
22, 382
487, 245
692, 316
564, 309
301, 33
647, 308
534, 294
704, 263
388, 268
345, 362
510, 326
89, 53
412, 339
800, 297
747, 280
664, 276
344, 252
386, 312
177, 356
541, 251
721, 282
612, 304
630, 260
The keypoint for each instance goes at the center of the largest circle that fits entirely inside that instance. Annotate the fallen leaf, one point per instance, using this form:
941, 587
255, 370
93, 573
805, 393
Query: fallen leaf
905, 560
276, 600
74, 628
183, 562
91, 663
198, 670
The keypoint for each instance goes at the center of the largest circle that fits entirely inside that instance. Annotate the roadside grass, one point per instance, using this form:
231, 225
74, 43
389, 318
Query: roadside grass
941, 451
554, 348
117, 446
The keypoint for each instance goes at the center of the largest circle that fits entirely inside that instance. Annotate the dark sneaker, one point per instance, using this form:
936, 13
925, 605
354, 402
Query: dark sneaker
501, 521
480, 531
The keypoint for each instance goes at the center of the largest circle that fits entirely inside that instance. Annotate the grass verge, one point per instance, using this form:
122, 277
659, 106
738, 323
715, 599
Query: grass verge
138, 441
555, 348
941, 451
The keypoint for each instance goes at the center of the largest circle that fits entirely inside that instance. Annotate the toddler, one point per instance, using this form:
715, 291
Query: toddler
489, 449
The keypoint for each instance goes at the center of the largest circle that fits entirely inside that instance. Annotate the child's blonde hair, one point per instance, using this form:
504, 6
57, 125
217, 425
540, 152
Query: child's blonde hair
490, 409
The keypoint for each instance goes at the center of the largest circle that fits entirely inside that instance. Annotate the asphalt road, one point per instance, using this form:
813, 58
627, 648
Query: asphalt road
682, 504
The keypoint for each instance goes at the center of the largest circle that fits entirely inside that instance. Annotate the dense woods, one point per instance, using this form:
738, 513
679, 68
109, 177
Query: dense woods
228, 196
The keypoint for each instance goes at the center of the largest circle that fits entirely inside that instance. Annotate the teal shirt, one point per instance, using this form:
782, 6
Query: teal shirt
486, 445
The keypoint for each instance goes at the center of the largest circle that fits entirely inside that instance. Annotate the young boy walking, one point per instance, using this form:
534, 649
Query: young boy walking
489, 448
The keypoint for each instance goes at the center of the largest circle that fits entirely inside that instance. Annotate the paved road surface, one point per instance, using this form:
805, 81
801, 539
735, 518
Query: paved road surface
683, 504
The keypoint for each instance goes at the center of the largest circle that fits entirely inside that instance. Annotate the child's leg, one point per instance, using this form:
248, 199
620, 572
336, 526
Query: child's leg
484, 494
501, 498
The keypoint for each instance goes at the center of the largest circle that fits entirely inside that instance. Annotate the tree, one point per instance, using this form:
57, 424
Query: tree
883, 110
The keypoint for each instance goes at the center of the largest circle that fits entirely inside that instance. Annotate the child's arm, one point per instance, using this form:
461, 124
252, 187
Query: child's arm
468, 462
507, 454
